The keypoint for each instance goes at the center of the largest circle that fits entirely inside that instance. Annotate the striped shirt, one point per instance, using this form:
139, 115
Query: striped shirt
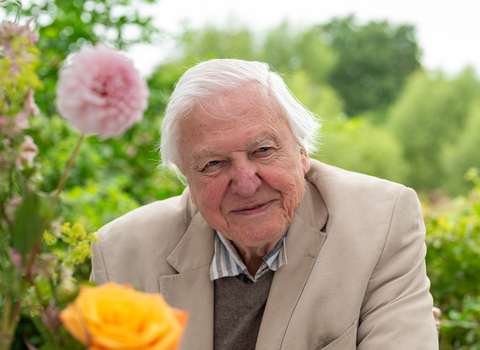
227, 263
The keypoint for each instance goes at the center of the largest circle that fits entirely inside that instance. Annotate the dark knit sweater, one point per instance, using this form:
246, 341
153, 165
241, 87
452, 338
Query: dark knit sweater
239, 308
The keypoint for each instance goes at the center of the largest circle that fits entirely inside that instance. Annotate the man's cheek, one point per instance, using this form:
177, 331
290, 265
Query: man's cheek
211, 200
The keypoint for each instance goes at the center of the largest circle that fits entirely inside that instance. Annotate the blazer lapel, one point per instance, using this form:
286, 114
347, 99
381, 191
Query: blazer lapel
303, 243
192, 289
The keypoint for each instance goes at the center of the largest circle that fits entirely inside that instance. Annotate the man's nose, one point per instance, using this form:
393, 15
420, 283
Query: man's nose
245, 179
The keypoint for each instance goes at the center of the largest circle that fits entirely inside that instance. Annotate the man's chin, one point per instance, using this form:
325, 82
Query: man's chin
255, 236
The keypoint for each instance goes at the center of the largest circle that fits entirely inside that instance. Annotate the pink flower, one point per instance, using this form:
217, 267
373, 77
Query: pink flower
32, 107
9, 31
21, 121
16, 258
14, 124
101, 92
29, 151
49, 316
11, 207
5, 122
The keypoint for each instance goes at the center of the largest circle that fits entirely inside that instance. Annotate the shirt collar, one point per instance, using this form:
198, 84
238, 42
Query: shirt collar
227, 262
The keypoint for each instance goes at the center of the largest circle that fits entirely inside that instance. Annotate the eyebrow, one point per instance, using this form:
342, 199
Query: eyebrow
207, 152
203, 152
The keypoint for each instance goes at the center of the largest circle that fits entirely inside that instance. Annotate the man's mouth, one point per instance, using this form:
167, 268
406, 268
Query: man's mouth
252, 208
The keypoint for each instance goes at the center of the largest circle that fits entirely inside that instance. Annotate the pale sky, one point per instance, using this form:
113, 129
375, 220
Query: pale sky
448, 31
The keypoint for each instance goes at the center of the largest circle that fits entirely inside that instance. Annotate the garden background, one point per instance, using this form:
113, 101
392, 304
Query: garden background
383, 114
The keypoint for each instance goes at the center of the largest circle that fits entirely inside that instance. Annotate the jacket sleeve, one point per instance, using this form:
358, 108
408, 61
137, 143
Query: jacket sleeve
396, 312
99, 272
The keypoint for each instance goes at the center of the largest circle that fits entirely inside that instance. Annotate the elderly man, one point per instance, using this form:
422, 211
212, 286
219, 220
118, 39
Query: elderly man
266, 248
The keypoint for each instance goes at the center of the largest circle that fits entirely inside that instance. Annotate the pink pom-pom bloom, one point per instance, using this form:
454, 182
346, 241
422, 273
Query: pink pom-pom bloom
101, 92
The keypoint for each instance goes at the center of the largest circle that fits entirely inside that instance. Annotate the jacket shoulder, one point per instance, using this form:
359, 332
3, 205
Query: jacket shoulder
332, 181
144, 237
361, 201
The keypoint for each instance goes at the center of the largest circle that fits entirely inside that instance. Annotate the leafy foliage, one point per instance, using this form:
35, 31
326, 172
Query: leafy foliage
453, 262
464, 153
374, 61
211, 42
430, 115
358, 145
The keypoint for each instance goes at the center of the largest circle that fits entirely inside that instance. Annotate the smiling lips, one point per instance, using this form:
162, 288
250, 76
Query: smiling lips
253, 209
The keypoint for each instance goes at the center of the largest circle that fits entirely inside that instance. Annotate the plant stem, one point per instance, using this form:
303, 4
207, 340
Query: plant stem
6, 312
14, 317
66, 171
9, 324
60, 185
5, 342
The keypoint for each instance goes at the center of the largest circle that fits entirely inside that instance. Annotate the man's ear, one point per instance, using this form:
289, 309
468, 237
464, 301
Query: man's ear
305, 160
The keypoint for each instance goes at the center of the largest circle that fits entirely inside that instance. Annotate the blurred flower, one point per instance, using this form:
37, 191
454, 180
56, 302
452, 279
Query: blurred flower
49, 316
13, 124
56, 226
12, 206
101, 92
10, 31
45, 265
117, 317
32, 107
67, 286
21, 121
29, 151
16, 258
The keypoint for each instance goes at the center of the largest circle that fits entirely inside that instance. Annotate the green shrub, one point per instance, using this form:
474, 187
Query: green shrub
453, 264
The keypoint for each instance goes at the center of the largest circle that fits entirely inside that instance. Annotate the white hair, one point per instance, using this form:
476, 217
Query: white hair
211, 79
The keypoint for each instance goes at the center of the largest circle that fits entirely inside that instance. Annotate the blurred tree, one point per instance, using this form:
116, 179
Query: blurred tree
463, 154
374, 61
210, 42
288, 49
358, 145
160, 84
317, 58
429, 115
321, 99
279, 49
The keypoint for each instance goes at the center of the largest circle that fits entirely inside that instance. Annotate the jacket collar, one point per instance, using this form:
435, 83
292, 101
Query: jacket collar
304, 240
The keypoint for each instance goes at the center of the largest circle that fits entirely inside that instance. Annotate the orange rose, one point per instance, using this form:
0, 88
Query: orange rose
112, 316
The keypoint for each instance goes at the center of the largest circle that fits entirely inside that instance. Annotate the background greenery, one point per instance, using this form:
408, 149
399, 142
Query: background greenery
382, 114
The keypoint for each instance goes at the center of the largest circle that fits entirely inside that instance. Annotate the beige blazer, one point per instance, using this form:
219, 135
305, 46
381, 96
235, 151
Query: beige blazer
355, 277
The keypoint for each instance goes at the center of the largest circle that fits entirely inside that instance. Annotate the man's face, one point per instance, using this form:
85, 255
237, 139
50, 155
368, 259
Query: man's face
244, 168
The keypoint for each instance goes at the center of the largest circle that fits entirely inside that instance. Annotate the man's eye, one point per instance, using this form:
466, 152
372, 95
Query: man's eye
213, 163
263, 149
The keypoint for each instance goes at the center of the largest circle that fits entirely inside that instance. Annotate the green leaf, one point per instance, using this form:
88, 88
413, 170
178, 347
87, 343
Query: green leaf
476, 207
28, 223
